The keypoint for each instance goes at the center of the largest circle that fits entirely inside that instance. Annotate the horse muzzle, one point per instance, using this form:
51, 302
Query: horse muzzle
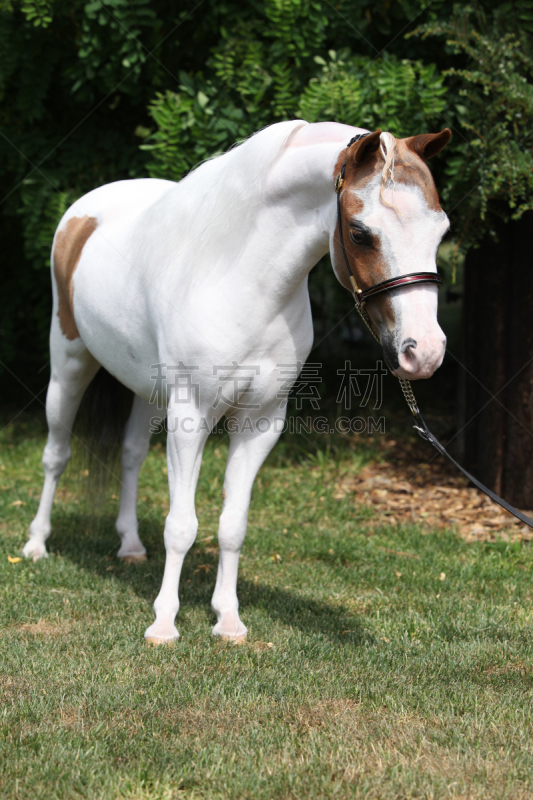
415, 361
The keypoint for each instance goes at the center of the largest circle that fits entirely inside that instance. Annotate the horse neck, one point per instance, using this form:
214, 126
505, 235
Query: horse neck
300, 213
258, 232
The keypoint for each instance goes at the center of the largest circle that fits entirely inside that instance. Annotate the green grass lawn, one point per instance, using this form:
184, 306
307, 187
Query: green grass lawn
381, 663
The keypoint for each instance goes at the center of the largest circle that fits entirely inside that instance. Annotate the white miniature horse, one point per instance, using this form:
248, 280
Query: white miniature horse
209, 276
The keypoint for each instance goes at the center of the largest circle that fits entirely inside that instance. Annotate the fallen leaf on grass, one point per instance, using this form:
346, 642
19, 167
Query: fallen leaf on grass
18, 503
13, 560
204, 567
397, 552
258, 646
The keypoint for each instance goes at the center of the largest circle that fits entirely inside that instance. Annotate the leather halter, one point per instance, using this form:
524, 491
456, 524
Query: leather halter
362, 295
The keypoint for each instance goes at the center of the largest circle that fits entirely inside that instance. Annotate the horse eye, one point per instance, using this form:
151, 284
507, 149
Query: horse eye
357, 237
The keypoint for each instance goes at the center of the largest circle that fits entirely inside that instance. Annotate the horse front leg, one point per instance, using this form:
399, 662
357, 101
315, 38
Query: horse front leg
248, 450
184, 457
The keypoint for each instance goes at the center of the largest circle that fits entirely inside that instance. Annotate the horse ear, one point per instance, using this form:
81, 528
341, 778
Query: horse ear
366, 147
427, 145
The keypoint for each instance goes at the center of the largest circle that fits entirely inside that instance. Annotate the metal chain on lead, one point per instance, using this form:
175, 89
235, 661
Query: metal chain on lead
409, 397
404, 384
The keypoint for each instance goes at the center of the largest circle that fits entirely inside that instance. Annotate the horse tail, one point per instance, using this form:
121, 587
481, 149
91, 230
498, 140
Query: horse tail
99, 429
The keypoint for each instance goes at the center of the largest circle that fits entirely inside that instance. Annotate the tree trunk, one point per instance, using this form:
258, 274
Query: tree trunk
498, 356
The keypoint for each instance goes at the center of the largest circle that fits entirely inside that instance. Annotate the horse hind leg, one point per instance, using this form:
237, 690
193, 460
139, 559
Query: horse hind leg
134, 451
72, 369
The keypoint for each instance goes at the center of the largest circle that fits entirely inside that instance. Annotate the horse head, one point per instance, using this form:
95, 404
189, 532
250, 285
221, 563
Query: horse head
392, 224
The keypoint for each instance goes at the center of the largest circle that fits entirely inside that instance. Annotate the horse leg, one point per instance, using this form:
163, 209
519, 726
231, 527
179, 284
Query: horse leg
134, 451
248, 450
184, 457
72, 369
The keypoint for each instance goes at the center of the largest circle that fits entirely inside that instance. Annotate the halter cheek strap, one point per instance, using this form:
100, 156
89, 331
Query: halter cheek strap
362, 295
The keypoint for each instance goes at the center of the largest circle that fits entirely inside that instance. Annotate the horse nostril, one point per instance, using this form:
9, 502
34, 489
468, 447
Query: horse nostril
408, 343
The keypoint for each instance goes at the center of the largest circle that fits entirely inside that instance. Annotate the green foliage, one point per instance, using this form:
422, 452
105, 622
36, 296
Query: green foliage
42, 212
39, 12
401, 96
192, 125
491, 168
252, 77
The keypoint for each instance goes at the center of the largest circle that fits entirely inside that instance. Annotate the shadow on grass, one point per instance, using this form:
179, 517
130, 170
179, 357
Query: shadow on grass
94, 550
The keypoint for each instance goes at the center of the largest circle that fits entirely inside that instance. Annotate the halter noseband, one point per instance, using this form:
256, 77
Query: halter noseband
362, 295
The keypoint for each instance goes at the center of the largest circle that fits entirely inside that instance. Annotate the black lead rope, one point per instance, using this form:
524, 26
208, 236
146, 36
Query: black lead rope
423, 431
360, 296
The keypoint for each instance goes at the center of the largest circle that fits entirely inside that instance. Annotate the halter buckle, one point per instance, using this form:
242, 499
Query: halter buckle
356, 290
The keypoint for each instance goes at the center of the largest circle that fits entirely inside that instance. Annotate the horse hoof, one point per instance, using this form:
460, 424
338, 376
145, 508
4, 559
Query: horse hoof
132, 559
231, 631
157, 634
155, 641
34, 550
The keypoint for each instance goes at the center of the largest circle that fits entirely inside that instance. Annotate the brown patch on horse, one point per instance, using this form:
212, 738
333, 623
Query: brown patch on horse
367, 263
411, 155
67, 252
427, 145
411, 170
364, 162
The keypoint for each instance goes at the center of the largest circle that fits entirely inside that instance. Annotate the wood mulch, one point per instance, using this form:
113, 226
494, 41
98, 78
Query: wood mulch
411, 484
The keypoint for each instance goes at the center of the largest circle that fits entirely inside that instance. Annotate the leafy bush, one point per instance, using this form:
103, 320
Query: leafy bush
402, 96
75, 81
490, 170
